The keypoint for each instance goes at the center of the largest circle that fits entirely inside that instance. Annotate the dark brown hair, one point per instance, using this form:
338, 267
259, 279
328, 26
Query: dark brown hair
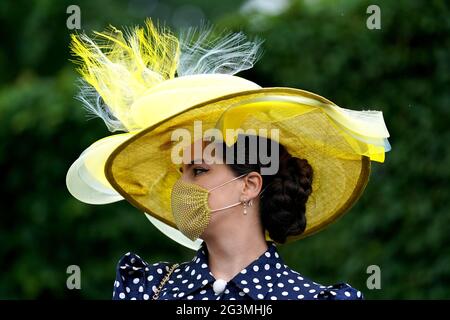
283, 201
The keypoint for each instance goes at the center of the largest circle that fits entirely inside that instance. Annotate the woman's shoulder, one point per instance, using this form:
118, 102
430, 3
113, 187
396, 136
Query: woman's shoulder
293, 285
136, 279
340, 291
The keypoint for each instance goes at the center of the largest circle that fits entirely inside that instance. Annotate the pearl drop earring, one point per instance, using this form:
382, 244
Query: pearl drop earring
245, 206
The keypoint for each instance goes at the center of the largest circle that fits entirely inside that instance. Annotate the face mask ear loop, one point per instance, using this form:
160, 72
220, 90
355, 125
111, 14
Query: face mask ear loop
227, 182
230, 206
261, 193
227, 207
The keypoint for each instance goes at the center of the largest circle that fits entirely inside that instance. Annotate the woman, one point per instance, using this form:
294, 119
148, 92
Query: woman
235, 261
158, 88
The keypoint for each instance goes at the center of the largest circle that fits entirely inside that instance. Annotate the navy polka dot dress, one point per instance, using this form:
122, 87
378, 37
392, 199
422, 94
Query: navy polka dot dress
266, 278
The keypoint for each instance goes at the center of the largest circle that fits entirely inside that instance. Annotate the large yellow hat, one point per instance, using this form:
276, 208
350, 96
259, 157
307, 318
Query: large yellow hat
150, 82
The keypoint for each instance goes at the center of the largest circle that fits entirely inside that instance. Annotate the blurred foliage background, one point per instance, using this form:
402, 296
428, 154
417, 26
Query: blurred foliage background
401, 223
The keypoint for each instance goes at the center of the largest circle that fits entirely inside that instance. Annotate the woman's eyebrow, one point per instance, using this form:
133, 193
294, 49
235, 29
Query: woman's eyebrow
195, 161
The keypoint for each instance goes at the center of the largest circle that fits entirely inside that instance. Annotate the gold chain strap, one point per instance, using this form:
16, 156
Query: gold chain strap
163, 281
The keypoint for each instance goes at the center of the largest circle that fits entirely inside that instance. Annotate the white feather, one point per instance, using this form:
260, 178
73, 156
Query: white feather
203, 51
95, 106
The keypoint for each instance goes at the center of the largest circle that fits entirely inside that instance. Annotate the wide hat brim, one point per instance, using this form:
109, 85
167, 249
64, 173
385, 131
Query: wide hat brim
337, 143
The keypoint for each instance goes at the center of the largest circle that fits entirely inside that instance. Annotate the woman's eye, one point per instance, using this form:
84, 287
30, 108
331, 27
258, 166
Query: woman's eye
198, 171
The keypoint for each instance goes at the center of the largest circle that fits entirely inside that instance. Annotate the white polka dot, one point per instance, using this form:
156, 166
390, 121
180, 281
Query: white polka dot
246, 290
190, 286
267, 277
255, 280
280, 285
244, 271
358, 294
285, 273
127, 289
116, 284
227, 291
299, 278
136, 280
284, 293
179, 276
255, 268
241, 293
204, 265
122, 295
203, 292
199, 276
291, 281
132, 260
278, 266
192, 272
348, 294
270, 285
232, 298
180, 294
260, 296
306, 285
300, 296
133, 298
184, 281
204, 282
277, 255
141, 289
244, 282
258, 286
312, 291
175, 289
159, 271
267, 254
273, 298
187, 269
333, 293
205, 298
267, 266
296, 288
190, 297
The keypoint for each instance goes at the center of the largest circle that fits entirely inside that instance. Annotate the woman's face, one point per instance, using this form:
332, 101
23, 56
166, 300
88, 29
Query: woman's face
209, 175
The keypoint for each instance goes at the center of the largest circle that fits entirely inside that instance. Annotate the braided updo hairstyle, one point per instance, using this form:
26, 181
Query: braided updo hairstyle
283, 202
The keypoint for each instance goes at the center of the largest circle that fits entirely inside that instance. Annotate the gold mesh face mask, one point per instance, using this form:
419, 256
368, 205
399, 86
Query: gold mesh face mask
190, 207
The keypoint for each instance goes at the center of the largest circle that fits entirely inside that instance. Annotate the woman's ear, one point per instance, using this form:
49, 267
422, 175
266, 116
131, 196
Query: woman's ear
252, 186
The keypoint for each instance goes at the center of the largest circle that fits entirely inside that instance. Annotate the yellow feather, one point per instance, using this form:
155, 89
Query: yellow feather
122, 67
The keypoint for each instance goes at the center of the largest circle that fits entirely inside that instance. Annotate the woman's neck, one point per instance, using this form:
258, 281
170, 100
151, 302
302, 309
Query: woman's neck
227, 256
